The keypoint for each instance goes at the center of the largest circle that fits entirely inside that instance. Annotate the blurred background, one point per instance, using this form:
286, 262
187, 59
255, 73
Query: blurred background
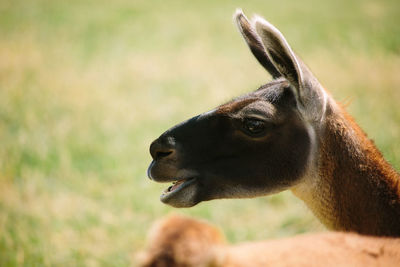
85, 86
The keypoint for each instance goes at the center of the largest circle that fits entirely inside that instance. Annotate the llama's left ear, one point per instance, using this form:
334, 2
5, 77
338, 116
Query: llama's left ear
280, 53
309, 93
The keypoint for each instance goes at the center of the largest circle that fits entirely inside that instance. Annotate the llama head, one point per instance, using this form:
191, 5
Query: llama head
257, 144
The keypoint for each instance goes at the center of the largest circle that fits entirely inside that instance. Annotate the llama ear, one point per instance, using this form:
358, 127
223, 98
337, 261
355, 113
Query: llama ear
280, 53
254, 42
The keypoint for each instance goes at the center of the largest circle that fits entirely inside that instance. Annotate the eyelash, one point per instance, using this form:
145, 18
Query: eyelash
254, 126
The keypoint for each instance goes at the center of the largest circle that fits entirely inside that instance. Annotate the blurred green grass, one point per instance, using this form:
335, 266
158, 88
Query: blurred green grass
85, 86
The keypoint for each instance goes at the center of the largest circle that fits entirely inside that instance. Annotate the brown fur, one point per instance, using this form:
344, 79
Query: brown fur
234, 106
358, 190
184, 242
180, 241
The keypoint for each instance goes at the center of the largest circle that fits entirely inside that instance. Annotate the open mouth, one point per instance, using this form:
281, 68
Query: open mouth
175, 188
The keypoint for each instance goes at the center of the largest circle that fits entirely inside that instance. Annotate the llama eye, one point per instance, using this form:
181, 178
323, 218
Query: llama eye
254, 126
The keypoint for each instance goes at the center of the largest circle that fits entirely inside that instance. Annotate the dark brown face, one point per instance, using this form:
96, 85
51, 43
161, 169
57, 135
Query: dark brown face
257, 144
254, 145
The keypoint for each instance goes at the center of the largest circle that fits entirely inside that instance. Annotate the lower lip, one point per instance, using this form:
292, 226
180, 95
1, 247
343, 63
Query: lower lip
165, 196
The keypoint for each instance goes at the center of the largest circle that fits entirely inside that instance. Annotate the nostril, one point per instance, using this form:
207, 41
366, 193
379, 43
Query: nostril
162, 154
159, 149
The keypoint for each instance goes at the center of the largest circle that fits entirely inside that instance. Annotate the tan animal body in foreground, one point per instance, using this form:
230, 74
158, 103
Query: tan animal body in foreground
180, 241
288, 134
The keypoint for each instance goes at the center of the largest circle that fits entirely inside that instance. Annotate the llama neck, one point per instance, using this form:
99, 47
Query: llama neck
353, 188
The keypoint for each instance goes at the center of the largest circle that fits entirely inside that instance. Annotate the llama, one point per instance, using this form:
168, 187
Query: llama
289, 134
180, 241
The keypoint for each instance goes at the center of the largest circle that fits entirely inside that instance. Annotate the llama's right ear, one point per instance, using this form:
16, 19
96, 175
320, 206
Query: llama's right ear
254, 42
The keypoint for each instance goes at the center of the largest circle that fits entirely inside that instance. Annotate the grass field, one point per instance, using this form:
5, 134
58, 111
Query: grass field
85, 86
